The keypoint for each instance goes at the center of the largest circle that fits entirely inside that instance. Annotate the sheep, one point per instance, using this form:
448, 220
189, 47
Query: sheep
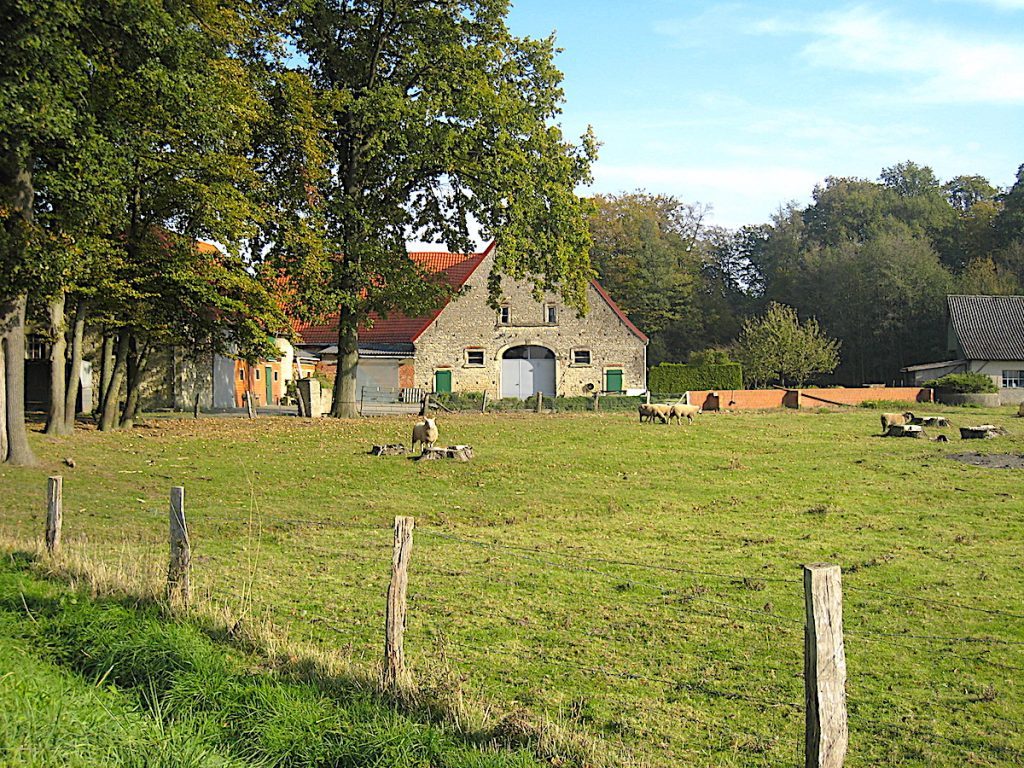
659, 411
424, 433
645, 412
688, 411
892, 419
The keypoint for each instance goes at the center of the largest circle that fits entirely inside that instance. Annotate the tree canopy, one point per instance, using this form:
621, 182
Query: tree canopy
422, 119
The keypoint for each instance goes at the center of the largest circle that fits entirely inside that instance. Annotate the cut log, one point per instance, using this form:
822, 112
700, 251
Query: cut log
930, 421
1020, 410
905, 430
981, 432
458, 452
388, 450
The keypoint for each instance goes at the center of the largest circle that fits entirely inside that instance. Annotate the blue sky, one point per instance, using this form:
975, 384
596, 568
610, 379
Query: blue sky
745, 106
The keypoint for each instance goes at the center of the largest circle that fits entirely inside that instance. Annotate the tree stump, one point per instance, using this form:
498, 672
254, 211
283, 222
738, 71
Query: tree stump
388, 450
1020, 411
930, 421
457, 452
981, 432
905, 430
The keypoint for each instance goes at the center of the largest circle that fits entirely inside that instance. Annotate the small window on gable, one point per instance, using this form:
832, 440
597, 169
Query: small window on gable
550, 314
505, 314
474, 357
241, 374
257, 374
581, 357
275, 375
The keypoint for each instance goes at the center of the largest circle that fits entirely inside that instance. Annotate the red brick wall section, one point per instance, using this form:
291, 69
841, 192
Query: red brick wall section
328, 370
856, 396
406, 375
742, 399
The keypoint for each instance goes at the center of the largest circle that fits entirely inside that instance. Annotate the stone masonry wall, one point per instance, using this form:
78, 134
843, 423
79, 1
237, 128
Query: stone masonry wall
469, 323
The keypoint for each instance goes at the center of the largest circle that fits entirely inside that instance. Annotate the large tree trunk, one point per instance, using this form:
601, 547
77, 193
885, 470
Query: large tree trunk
15, 178
58, 366
106, 369
75, 373
3, 404
344, 404
136, 368
12, 328
110, 412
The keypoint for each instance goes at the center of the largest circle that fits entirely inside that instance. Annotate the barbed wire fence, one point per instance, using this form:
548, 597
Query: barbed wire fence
824, 704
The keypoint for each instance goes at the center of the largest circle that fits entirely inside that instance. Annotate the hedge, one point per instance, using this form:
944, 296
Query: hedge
968, 383
680, 377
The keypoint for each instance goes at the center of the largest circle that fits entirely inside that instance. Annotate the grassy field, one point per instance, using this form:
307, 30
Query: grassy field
639, 585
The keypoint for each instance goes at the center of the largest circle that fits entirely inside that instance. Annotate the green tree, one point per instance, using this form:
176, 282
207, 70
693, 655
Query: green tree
778, 348
984, 277
1009, 224
420, 118
176, 105
647, 253
43, 73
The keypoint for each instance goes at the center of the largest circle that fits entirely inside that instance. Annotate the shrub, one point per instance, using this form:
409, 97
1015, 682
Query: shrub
678, 377
964, 383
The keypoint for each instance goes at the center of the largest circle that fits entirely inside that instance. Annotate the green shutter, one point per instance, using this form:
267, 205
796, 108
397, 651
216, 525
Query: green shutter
443, 382
613, 380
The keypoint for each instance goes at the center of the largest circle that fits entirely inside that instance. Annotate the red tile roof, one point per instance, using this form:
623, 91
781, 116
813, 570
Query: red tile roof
455, 269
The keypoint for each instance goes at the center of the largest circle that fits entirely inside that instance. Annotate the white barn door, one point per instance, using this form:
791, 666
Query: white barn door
527, 370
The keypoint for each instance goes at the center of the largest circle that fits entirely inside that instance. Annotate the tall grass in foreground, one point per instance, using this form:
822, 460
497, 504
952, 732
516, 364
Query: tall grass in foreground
165, 693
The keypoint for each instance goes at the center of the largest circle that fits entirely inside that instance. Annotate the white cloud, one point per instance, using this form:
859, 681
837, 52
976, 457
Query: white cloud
1002, 5
740, 194
943, 66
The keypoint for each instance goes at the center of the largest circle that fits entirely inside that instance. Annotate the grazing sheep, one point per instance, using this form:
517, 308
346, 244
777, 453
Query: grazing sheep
645, 412
679, 411
424, 433
659, 411
892, 419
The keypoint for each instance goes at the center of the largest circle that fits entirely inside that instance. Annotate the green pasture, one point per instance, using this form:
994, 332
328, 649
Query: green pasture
639, 584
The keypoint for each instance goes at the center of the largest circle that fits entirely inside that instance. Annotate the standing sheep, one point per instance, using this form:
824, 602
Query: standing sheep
680, 411
424, 433
893, 419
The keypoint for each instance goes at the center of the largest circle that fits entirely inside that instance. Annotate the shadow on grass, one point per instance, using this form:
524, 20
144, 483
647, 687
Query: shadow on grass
266, 705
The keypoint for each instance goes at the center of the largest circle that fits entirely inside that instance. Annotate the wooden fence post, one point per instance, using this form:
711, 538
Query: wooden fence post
824, 668
540, 401
181, 550
248, 405
483, 403
395, 675
54, 512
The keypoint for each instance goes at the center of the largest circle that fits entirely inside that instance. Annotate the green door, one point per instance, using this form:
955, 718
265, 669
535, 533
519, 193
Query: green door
613, 380
443, 382
269, 376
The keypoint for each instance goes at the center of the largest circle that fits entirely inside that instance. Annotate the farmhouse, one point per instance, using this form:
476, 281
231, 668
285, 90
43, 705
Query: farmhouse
526, 346
986, 335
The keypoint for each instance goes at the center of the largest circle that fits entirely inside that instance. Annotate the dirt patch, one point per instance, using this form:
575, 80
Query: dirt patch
990, 460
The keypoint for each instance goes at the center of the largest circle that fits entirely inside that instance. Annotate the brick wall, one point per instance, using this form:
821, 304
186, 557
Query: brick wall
805, 398
468, 322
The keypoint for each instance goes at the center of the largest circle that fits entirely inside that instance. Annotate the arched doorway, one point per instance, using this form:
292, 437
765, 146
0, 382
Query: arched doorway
526, 370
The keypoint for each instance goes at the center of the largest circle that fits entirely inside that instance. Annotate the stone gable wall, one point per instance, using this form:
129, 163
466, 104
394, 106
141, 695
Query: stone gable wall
468, 322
